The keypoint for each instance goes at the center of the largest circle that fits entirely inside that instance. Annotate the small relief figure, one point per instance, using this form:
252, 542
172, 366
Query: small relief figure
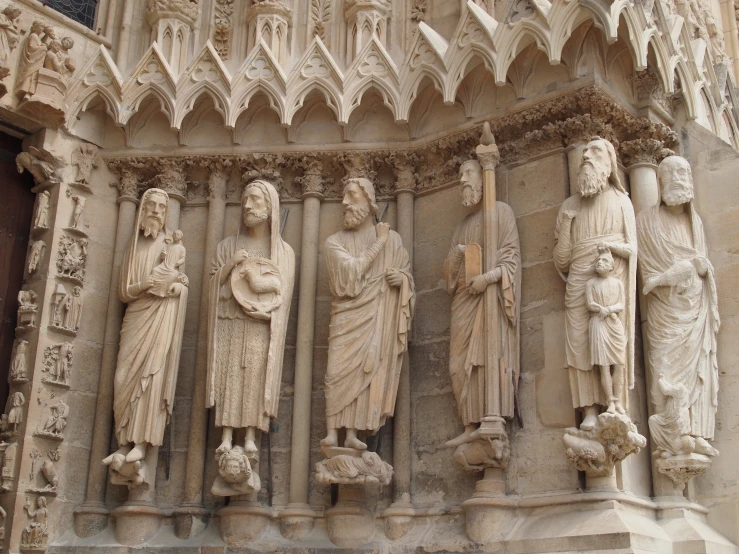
9, 34
8, 470
48, 472
35, 255
73, 309
54, 60
171, 269
605, 298
15, 414
27, 309
58, 363
79, 208
71, 257
4, 515
85, 157
19, 366
41, 218
36, 532
57, 420
57, 305
31, 61
68, 65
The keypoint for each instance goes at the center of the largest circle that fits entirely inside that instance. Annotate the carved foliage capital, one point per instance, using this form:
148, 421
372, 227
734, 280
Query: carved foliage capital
643, 150
129, 180
312, 180
170, 176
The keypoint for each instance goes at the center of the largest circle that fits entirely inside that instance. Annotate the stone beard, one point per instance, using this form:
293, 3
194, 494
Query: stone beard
682, 311
151, 334
374, 294
601, 214
246, 340
468, 341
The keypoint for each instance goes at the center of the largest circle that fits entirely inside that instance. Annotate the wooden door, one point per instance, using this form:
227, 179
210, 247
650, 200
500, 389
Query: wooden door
16, 211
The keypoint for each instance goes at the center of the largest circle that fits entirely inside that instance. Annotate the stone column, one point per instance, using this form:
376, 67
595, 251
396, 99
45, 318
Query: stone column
91, 517
171, 24
191, 517
297, 519
365, 19
399, 516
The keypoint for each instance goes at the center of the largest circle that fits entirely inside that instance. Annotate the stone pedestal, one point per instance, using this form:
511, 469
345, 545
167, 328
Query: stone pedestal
190, 520
681, 469
296, 521
137, 521
90, 519
47, 103
243, 521
350, 524
489, 514
399, 518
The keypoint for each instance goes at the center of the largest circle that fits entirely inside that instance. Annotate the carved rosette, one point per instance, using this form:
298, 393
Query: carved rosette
596, 452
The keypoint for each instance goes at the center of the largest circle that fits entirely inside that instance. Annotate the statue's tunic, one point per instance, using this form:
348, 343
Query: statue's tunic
31, 60
682, 323
149, 354
604, 217
607, 335
369, 328
468, 341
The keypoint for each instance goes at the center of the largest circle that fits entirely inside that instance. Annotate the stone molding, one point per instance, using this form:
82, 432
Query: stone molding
545, 127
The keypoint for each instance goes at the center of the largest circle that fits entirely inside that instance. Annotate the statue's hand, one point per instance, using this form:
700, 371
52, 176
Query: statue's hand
569, 215
478, 285
394, 277
175, 289
460, 249
239, 257
148, 283
701, 265
604, 312
382, 230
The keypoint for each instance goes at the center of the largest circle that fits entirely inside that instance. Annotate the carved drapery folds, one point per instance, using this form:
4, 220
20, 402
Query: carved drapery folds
9, 35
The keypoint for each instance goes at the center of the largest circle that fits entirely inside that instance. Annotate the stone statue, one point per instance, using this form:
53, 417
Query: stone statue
465, 280
605, 298
57, 420
79, 208
250, 293
85, 157
374, 296
27, 309
35, 255
682, 312
15, 414
601, 216
19, 366
41, 219
151, 335
72, 257
9, 33
31, 61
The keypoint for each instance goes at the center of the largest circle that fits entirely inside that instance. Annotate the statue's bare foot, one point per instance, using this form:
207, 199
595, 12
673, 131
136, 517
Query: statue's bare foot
611, 407
620, 408
224, 447
461, 439
702, 447
122, 451
137, 453
589, 422
355, 443
330, 440
250, 448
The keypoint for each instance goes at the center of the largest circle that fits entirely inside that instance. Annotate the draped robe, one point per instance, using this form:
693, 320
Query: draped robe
368, 333
468, 342
149, 354
604, 217
31, 61
682, 324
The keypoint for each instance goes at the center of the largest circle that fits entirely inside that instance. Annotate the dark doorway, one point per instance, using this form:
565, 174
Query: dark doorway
16, 211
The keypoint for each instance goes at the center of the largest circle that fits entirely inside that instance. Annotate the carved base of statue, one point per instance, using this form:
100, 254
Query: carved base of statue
596, 451
482, 453
349, 523
399, 518
243, 520
349, 466
190, 519
237, 473
139, 519
47, 103
683, 468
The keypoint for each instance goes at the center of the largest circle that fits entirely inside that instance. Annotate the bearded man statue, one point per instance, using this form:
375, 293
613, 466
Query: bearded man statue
253, 273
374, 295
599, 216
151, 335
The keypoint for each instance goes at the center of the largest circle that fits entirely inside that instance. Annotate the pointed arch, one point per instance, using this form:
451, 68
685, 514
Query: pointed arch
187, 104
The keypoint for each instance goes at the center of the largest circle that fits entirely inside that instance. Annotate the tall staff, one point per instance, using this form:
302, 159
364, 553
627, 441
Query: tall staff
498, 397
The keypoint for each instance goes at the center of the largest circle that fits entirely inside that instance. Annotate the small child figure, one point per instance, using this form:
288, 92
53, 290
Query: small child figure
169, 271
605, 300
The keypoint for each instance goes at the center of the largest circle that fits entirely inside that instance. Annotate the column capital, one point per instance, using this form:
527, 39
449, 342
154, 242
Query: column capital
129, 181
220, 170
404, 165
643, 151
312, 181
170, 177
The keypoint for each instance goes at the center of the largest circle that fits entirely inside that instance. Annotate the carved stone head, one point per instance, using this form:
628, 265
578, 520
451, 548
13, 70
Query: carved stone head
470, 177
37, 27
604, 262
359, 201
255, 204
67, 43
675, 180
234, 466
12, 12
153, 212
598, 168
